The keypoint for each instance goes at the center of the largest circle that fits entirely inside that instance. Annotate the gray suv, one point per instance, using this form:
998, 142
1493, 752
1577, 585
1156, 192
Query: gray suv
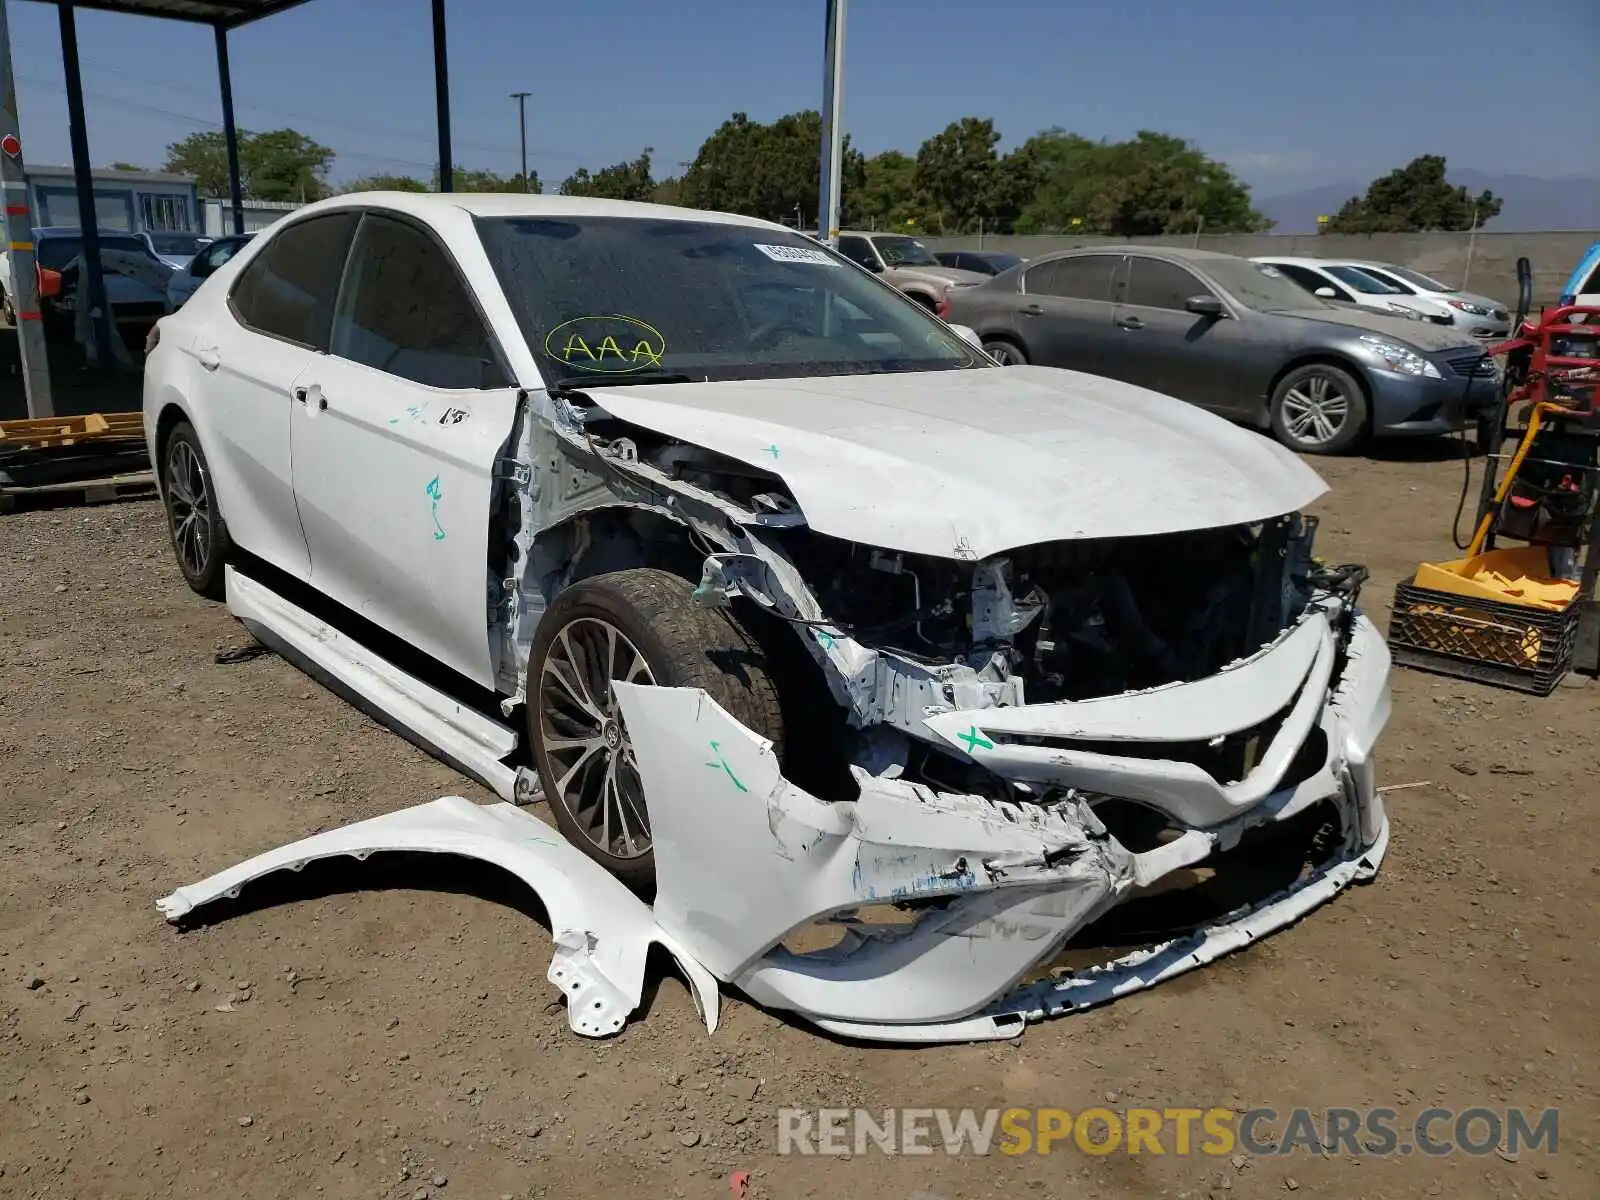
1233, 336
908, 264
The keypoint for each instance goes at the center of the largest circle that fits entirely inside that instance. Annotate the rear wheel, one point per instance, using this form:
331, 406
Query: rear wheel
1007, 354
199, 535
1319, 409
637, 626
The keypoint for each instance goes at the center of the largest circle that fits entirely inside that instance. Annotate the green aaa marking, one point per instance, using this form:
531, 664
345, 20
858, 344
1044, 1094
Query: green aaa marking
722, 765
974, 739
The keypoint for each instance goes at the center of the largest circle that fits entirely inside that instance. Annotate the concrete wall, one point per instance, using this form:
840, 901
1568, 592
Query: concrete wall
1441, 255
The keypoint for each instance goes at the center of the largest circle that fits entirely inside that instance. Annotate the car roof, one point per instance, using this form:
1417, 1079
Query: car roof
76, 231
426, 205
1303, 260
1172, 253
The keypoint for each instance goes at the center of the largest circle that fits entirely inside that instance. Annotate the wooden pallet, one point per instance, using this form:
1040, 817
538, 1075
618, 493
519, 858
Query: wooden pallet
133, 485
41, 432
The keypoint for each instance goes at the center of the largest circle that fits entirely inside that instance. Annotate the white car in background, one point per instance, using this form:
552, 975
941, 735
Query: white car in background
801, 605
1332, 280
1480, 316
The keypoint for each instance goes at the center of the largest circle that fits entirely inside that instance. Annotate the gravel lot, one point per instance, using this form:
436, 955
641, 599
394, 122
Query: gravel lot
385, 1034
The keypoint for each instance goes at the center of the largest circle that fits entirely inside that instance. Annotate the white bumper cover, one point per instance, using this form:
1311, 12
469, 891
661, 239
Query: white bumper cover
989, 890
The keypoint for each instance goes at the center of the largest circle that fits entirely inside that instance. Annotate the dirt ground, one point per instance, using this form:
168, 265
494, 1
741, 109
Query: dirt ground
382, 1035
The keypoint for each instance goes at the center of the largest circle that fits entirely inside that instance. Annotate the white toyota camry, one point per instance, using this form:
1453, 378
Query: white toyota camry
792, 604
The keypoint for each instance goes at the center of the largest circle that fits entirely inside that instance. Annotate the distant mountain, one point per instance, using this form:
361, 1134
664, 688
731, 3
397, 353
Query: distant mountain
1530, 203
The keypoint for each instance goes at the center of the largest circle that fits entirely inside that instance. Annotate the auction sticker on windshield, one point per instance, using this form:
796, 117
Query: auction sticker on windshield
606, 345
797, 254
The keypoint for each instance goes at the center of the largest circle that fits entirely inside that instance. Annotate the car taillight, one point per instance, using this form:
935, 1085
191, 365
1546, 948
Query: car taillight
942, 309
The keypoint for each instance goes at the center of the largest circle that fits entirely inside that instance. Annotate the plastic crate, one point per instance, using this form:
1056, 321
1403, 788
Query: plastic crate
1507, 645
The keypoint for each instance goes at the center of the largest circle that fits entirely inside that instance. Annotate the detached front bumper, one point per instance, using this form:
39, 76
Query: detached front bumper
992, 890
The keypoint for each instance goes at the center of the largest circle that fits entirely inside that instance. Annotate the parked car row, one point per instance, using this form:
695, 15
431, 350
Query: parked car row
146, 274
1237, 336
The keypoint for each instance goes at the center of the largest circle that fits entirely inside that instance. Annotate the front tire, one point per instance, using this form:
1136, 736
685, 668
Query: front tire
1319, 409
1006, 353
199, 536
637, 626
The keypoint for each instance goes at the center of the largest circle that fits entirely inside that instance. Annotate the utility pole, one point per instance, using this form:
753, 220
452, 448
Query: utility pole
24, 280
1472, 248
522, 132
832, 127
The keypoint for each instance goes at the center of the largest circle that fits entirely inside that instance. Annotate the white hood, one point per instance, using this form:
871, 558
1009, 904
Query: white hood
966, 464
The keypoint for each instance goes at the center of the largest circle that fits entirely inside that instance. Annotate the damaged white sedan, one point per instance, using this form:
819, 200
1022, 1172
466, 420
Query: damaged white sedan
885, 675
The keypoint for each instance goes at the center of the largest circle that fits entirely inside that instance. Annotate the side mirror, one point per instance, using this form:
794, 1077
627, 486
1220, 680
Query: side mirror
1205, 305
1327, 293
968, 335
874, 266
1524, 291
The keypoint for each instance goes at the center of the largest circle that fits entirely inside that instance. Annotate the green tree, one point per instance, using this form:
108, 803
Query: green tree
668, 191
620, 181
1151, 184
887, 194
284, 165
772, 171
280, 164
958, 171
1413, 198
385, 183
125, 166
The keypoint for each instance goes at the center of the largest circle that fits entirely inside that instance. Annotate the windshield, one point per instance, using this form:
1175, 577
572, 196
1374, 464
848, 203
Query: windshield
1259, 285
1001, 262
627, 297
1418, 279
176, 243
899, 251
54, 253
1367, 285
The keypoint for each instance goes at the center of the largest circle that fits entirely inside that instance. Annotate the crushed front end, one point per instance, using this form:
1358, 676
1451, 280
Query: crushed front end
1037, 745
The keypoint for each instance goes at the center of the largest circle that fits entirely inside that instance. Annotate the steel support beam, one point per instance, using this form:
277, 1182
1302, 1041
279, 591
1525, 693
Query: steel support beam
831, 191
441, 90
23, 296
230, 132
91, 281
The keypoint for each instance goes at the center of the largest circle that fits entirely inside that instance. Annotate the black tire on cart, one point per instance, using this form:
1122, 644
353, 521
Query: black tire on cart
199, 535
640, 626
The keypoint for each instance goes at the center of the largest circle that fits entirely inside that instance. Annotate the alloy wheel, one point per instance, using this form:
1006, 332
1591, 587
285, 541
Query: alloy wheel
597, 777
1003, 354
1315, 410
189, 507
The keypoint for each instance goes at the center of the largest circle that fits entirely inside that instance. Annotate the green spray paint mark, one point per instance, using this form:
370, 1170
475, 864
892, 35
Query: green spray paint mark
436, 494
539, 841
825, 639
772, 450
974, 739
722, 765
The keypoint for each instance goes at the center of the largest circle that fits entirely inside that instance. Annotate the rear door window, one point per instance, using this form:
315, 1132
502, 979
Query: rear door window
288, 290
857, 250
1084, 277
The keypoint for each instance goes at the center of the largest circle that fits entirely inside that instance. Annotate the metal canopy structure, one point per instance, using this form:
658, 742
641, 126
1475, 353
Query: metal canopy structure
229, 14
223, 16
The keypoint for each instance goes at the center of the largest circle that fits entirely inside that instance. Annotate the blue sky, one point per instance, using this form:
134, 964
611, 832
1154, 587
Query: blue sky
1291, 93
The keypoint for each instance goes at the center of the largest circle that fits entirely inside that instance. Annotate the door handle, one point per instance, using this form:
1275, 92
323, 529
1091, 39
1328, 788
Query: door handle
209, 358
1031, 310
1129, 323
